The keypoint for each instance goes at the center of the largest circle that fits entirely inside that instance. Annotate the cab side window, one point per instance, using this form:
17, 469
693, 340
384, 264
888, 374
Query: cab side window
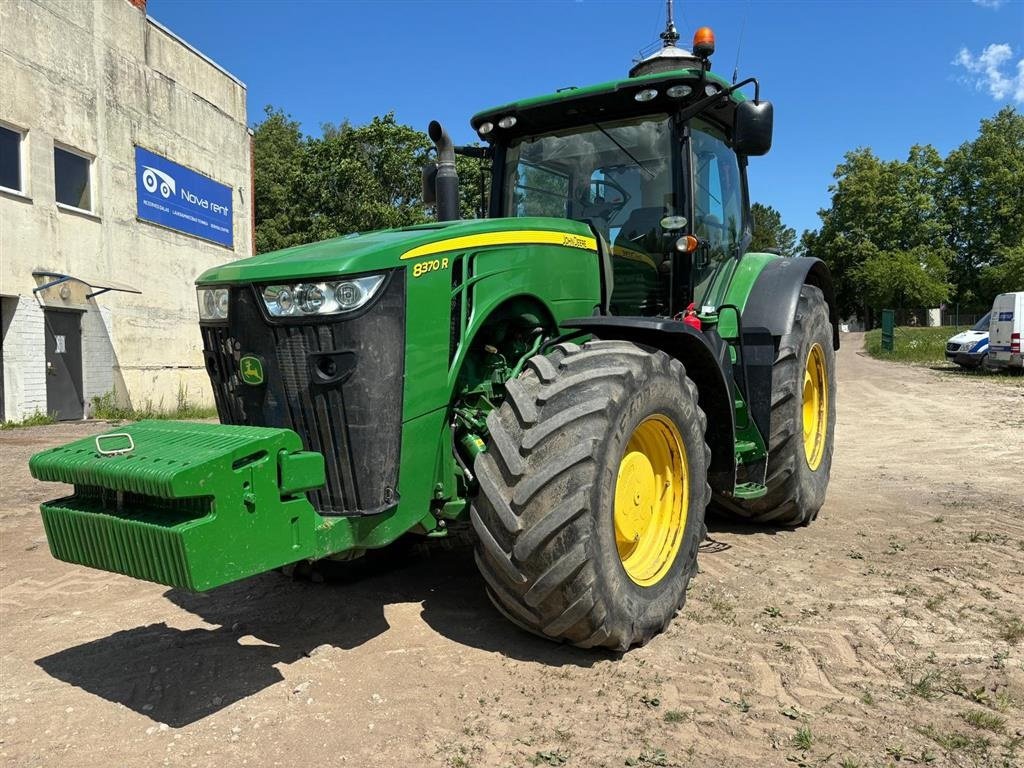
717, 204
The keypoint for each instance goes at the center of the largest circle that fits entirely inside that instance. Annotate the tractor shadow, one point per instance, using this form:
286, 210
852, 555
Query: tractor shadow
179, 676
721, 520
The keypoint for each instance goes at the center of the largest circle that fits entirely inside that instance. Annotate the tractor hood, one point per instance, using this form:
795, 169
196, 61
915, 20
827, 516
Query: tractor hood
385, 249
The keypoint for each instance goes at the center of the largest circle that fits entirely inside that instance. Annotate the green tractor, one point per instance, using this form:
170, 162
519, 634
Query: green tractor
572, 379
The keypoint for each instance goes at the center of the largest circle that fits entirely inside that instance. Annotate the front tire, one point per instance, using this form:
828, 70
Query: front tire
803, 420
592, 494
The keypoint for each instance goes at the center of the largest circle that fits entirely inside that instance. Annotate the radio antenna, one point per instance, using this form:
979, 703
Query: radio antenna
739, 47
671, 35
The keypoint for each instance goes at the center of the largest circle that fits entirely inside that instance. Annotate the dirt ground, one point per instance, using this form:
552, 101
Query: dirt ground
890, 631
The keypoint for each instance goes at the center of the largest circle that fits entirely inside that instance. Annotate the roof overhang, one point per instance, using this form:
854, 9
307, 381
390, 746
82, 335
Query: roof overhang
97, 286
608, 101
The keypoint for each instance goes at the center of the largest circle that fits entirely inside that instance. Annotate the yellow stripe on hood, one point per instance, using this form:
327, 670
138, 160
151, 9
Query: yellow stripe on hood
518, 237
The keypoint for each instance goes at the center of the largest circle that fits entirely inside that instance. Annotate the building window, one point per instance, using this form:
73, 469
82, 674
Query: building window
72, 178
11, 175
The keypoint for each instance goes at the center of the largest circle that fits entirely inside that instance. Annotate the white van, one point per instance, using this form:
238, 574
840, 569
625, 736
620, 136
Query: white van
1004, 331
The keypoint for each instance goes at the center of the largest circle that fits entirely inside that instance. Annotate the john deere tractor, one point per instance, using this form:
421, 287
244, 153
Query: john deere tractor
572, 379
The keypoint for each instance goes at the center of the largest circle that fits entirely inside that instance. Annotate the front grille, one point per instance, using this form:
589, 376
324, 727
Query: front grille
952, 347
336, 381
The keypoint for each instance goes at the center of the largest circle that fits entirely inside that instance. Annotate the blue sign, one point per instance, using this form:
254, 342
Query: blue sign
176, 197
1004, 316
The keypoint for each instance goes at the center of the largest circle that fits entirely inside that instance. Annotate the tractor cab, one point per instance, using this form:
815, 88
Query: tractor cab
655, 164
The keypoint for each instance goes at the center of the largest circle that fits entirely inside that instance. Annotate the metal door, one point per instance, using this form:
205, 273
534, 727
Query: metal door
64, 364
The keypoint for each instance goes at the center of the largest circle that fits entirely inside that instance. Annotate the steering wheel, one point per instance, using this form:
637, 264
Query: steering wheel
602, 198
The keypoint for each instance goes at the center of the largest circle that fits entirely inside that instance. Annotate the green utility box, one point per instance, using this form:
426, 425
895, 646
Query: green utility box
888, 328
183, 504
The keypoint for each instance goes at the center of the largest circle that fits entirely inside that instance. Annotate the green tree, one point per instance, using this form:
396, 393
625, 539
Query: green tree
349, 179
278, 147
983, 202
361, 178
898, 279
1005, 274
883, 210
770, 232
472, 173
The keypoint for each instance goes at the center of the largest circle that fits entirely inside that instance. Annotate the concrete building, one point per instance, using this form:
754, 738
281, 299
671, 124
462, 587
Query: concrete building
125, 171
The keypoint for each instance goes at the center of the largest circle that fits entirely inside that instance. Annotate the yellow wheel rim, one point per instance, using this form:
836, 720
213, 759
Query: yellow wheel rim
651, 500
815, 406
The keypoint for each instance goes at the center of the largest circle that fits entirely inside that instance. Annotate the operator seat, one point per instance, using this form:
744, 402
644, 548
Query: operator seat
642, 231
639, 264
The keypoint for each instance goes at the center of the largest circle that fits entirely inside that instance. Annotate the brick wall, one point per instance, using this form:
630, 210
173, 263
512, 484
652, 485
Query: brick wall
97, 355
24, 358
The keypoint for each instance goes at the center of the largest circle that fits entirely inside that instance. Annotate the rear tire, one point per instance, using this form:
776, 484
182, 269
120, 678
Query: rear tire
552, 545
798, 471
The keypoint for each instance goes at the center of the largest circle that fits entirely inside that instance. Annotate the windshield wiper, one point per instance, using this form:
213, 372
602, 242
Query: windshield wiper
650, 174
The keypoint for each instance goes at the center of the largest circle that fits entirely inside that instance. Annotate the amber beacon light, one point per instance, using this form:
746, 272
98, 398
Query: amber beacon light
704, 42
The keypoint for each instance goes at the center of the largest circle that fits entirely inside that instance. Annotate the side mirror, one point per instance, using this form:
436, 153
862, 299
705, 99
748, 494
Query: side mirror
752, 135
429, 182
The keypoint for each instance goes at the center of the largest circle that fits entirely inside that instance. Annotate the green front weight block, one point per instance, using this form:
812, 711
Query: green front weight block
184, 504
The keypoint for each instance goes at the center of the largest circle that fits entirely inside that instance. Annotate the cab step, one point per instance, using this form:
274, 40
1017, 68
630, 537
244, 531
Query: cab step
750, 491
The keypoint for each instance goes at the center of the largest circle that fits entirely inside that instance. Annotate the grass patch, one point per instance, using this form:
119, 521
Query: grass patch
655, 757
803, 739
1012, 630
555, 757
984, 721
927, 346
106, 407
712, 605
911, 345
975, 746
675, 716
987, 538
37, 419
926, 686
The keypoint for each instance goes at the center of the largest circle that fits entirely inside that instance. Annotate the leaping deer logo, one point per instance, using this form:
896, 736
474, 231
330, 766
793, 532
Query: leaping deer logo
252, 370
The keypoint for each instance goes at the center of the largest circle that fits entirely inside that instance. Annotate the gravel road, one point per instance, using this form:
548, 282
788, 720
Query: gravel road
889, 631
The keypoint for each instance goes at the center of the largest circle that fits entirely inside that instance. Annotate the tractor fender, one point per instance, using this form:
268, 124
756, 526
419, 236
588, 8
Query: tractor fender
697, 355
773, 298
491, 314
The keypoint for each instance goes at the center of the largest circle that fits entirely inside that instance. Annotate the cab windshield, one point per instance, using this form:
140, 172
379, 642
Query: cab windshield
618, 177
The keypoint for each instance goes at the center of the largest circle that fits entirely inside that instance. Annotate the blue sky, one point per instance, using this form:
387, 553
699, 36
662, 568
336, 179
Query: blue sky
841, 74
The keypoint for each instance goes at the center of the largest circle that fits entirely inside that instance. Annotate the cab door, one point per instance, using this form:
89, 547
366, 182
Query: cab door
718, 209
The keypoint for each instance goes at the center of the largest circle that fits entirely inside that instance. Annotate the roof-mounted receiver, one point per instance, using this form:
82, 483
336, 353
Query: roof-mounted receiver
669, 57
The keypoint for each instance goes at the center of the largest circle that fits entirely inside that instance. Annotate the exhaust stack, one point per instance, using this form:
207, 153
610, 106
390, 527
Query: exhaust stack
446, 180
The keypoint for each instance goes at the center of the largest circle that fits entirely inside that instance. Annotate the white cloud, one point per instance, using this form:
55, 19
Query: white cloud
994, 4
987, 70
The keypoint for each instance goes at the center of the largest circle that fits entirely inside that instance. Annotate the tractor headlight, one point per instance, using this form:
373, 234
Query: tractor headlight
213, 303
321, 298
